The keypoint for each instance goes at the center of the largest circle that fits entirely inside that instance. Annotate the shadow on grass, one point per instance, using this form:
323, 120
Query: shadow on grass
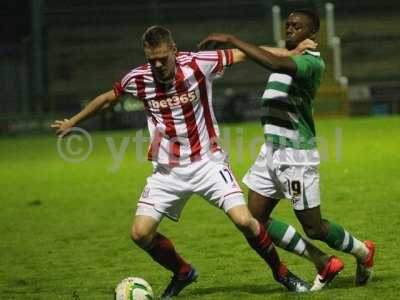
343, 282
246, 288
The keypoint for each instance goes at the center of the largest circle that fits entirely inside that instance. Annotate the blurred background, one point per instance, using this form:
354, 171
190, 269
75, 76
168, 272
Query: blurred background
57, 55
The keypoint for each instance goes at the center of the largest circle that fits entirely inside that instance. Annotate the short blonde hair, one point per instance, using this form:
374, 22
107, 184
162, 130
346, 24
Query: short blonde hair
155, 35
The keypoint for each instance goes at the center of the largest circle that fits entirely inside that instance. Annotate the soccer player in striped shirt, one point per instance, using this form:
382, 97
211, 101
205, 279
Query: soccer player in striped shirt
176, 91
287, 166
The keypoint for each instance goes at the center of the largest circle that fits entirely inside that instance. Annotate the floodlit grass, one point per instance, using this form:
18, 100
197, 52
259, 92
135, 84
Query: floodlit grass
65, 227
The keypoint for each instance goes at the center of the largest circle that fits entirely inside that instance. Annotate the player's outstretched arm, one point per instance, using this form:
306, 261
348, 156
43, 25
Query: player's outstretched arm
98, 103
307, 44
239, 56
275, 59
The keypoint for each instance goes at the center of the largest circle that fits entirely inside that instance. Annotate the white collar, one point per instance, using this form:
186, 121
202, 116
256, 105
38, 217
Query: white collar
313, 53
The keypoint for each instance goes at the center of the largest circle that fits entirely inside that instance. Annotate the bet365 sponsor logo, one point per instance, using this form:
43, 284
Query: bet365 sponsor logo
175, 100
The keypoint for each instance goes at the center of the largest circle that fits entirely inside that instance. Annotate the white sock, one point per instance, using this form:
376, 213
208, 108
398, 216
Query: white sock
360, 251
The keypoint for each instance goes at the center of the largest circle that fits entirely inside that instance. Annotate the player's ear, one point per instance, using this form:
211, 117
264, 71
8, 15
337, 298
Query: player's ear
174, 48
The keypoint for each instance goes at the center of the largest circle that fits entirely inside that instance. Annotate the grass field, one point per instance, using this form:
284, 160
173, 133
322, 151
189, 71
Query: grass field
65, 227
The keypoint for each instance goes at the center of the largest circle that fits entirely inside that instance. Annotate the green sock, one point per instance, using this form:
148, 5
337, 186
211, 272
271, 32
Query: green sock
340, 239
285, 236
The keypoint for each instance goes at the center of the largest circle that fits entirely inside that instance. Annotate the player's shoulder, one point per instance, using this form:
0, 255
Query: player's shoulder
314, 56
201, 57
212, 54
209, 54
143, 69
184, 58
310, 60
140, 71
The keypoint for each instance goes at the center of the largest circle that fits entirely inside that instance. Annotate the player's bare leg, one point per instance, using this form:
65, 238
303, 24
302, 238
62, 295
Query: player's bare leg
160, 248
284, 235
260, 206
259, 240
336, 237
144, 229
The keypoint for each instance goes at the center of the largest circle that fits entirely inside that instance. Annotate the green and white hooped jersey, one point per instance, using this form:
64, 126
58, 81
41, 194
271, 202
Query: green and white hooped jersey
287, 104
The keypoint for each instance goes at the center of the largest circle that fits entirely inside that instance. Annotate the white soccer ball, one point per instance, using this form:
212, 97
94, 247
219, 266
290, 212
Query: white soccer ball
133, 288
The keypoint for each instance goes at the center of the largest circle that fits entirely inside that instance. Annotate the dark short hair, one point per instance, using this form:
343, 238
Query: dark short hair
311, 15
155, 35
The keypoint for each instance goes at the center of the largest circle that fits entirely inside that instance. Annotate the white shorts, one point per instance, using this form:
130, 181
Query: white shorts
168, 188
279, 173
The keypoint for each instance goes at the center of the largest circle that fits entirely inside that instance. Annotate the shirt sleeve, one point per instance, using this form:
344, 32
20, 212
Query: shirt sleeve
127, 85
213, 63
118, 89
307, 66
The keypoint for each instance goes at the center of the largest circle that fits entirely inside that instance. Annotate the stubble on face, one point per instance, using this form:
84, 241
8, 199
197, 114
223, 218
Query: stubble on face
162, 61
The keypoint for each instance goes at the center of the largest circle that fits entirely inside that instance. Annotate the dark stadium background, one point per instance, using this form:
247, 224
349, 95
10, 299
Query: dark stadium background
56, 55
65, 217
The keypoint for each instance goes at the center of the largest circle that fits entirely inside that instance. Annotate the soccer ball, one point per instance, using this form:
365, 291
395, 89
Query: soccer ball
133, 288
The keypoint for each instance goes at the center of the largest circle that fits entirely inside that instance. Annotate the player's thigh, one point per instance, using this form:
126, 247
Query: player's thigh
263, 185
300, 184
261, 206
163, 195
217, 184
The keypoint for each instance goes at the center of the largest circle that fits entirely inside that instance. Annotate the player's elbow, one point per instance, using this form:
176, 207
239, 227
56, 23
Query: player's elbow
283, 65
274, 67
110, 97
283, 68
107, 99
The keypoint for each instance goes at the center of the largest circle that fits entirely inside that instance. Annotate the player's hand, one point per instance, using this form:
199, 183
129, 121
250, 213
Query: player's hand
62, 127
214, 40
307, 44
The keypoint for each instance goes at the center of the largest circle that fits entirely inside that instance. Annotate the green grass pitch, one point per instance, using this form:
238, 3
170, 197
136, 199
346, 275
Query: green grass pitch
65, 227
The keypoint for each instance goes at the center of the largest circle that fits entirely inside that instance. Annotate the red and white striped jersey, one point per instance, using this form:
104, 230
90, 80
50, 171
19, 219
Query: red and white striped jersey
180, 116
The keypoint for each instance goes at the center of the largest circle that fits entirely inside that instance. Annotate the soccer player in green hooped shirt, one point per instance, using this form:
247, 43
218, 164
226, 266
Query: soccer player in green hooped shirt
287, 166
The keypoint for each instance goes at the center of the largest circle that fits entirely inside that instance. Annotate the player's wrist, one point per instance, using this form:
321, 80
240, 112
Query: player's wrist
73, 121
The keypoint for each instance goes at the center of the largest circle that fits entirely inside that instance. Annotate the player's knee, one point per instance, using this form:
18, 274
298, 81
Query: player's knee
244, 223
141, 236
314, 232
